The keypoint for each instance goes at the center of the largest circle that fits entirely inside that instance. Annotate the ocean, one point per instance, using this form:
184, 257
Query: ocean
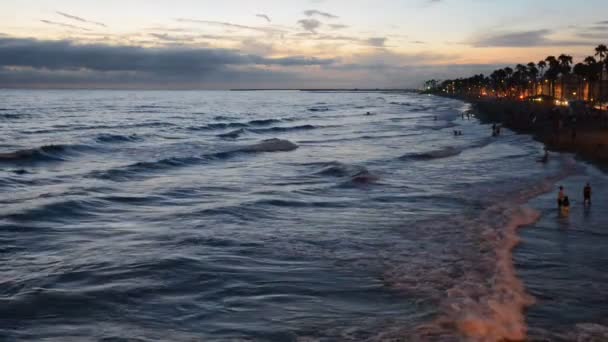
289, 216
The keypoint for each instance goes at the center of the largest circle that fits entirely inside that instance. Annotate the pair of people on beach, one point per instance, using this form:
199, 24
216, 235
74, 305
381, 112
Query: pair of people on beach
563, 202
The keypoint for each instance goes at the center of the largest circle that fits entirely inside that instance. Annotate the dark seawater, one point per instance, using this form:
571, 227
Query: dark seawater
172, 216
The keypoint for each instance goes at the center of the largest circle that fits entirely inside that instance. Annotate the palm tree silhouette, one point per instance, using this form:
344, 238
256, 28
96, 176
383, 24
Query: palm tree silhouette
533, 76
580, 70
591, 75
552, 73
565, 62
601, 51
541, 66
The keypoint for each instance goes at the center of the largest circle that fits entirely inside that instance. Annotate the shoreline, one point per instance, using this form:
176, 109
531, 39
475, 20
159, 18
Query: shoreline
588, 143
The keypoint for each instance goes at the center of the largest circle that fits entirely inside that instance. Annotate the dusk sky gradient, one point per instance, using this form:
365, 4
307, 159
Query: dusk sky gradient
283, 44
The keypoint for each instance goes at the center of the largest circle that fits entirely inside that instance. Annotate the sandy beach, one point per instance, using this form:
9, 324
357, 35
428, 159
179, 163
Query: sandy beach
551, 125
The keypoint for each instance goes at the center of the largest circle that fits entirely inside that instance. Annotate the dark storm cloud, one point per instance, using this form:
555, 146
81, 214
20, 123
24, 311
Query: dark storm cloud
54, 23
311, 13
264, 16
310, 25
66, 55
522, 39
82, 20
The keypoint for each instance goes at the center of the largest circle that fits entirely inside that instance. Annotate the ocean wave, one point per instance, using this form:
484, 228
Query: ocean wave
59, 211
445, 152
232, 134
300, 204
128, 172
355, 174
318, 109
283, 129
228, 125
269, 145
12, 116
220, 125
117, 138
263, 122
40, 154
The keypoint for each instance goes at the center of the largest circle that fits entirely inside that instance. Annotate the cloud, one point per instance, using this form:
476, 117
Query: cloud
31, 63
417, 42
230, 25
338, 26
170, 38
67, 55
310, 24
376, 41
311, 13
605, 22
54, 23
264, 16
256, 47
522, 39
73, 17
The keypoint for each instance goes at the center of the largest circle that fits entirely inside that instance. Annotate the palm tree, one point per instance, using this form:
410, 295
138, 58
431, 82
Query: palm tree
541, 66
508, 79
580, 70
592, 75
533, 76
601, 51
565, 62
552, 72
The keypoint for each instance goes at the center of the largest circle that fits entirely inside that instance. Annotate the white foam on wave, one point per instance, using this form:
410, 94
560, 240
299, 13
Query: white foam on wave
471, 281
271, 145
497, 313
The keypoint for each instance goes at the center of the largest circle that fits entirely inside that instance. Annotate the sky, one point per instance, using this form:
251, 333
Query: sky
225, 44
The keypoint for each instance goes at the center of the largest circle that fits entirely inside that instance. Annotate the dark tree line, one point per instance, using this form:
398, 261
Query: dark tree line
546, 77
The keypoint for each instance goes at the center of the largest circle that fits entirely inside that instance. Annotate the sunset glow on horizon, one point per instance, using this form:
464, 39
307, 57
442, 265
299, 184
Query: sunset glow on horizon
278, 44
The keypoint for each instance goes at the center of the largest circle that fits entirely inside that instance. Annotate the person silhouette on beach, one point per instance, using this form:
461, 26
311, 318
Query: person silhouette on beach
587, 194
545, 157
560, 197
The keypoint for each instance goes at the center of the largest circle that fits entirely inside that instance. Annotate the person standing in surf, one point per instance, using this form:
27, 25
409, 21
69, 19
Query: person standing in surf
587, 194
565, 208
560, 197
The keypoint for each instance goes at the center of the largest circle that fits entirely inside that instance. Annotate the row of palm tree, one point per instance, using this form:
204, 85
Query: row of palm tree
532, 79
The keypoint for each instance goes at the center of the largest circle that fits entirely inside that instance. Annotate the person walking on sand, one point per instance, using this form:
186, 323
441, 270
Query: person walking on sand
560, 197
587, 194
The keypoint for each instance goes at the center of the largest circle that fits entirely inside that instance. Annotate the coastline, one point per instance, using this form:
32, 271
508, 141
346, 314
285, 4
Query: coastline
571, 244
590, 142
